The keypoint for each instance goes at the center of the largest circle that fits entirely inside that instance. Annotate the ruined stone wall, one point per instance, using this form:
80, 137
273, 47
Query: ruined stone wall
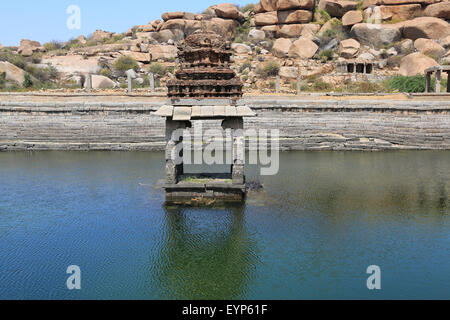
304, 125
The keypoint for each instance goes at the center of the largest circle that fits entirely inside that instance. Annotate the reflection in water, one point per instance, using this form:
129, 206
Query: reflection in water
205, 254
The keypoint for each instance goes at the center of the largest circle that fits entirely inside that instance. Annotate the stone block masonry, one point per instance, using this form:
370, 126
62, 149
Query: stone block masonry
304, 123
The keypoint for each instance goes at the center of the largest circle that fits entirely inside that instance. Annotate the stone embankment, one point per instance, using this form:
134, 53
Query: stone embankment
305, 122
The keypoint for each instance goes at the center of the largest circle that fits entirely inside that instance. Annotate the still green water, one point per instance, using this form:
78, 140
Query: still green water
311, 234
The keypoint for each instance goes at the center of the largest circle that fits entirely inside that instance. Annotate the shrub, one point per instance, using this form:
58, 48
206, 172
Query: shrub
271, 68
157, 68
325, 15
27, 82
319, 85
407, 84
106, 73
326, 55
126, 63
245, 65
53, 45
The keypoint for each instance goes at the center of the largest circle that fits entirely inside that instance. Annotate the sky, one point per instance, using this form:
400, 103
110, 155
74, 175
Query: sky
46, 20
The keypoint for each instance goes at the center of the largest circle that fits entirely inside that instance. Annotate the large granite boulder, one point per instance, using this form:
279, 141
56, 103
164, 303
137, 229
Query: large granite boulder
289, 31
163, 52
429, 47
295, 4
266, 6
415, 63
294, 16
256, 34
266, 18
241, 48
426, 27
72, 64
28, 47
227, 11
337, 8
438, 10
400, 12
351, 18
375, 34
101, 82
281, 47
303, 48
100, 35
349, 48
12, 72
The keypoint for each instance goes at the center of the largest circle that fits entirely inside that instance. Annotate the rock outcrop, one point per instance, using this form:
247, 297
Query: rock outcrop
28, 47
429, 47
351, 18
375, 34
283, 18
349, 48
337, 8
415, 63
12, 72
426, 27
438, 10
281, 47
303, 48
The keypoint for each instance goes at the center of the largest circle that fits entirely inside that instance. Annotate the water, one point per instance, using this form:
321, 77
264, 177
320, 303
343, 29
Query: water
312, 234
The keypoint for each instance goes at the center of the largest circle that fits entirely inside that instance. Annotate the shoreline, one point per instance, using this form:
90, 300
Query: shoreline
306, 123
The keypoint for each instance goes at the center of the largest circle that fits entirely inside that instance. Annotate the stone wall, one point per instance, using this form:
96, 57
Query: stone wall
305, 125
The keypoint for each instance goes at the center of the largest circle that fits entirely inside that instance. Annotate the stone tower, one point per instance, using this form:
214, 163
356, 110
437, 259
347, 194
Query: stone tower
204, 88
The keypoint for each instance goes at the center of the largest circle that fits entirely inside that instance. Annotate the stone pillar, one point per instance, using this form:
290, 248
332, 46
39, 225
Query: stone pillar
152, 82
130, 84
438, 81
277, 84
428, 83
299, 84
174, 150
89, 82
448, 81
237, 135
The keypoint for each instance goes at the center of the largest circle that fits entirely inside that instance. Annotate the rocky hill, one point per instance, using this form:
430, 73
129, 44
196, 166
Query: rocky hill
334, 45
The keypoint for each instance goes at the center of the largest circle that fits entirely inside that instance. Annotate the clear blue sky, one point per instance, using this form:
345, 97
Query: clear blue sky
45, 20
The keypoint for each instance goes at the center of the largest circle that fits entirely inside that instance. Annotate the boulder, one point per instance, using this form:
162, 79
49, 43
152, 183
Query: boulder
256, 34
415, 63
400, 12
303, 48
139, 56
367, 57
337, 8
266, 19
351, 18
241, 48
375, 34
28, 47
100, 35
349, 48
329, 25
172, 15
288, 72
71, 64
438, 10
446, 42
426, 27
267, 6
290, 31
406, 46
295, 4
228, 11
281, 47
12, 72
101, 82
223, 27
294, 16
191, 26
174, 24
429, 47
369, 3
164, 52
166, 35
271, 31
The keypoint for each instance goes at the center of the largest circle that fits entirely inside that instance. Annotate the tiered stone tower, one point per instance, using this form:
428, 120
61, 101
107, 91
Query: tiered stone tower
204, 69
204, 88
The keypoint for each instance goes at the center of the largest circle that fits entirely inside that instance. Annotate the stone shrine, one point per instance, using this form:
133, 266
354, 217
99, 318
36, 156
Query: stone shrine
204, 88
